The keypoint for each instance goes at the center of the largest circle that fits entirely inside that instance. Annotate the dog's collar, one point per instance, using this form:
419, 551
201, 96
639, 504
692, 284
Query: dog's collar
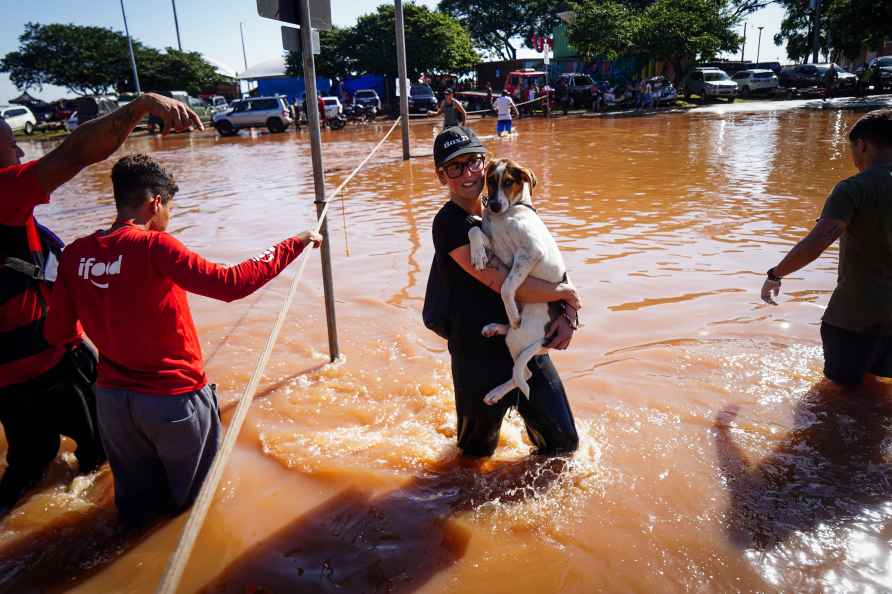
530, 206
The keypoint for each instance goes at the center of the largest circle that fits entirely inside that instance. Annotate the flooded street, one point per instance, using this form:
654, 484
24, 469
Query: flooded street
345, 477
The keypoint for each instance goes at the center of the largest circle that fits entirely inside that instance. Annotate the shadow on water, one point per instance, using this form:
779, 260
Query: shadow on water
391, 543
834, 465
74, 546
70, 548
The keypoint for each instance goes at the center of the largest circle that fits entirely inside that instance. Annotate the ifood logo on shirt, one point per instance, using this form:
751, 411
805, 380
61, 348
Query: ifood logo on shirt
89, 269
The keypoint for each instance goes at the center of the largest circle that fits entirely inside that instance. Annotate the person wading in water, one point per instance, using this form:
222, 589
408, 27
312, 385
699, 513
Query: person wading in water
453, 112
47, 390
856, 329
479, 363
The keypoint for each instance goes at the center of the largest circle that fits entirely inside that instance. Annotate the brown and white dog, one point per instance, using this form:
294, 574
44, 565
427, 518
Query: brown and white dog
515, 234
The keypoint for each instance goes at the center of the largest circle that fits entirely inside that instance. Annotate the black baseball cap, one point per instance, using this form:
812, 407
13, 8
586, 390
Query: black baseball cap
455, 141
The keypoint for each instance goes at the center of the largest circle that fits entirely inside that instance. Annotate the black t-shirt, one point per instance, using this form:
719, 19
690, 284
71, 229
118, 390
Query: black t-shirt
472, 304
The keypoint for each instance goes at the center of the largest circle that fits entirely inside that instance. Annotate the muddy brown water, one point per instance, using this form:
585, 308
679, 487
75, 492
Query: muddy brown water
345, 477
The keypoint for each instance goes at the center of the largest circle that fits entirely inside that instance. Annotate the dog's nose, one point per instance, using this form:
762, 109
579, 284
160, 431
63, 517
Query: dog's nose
494, 205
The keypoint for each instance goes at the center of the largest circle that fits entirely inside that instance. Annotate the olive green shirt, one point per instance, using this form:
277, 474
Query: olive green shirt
862, 300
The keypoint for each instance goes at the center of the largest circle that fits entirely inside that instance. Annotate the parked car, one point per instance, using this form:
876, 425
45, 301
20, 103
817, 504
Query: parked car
812, 75
574, 89
19, 118
218, 103
421, 99
125, 98
333, 107
664, 92
89, 108
254, 112
755, 81
709, 83
367, 98
884, 63
202, 108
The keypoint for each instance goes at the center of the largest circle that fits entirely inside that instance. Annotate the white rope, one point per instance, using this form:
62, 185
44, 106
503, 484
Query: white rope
177, 564
491, 109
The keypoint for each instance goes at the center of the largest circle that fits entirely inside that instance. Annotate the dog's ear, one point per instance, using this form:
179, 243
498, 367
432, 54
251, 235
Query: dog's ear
491, 165
529, 176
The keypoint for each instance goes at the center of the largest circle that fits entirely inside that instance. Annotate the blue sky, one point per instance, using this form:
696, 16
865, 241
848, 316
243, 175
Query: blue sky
212, 28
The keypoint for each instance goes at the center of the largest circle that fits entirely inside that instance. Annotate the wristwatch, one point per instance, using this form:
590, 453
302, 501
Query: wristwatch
772, 276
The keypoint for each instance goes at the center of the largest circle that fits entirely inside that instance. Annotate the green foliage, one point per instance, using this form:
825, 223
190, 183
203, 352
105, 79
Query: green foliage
335, 60
847, 27
435, 42
603, 29
96, 61
678, 30
172, 71
86, 60
495, 24
672, 30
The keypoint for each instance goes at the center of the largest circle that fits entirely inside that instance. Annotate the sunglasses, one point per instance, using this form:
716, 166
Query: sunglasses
456, 170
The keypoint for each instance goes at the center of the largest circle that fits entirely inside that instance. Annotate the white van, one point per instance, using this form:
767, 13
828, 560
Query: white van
19, 117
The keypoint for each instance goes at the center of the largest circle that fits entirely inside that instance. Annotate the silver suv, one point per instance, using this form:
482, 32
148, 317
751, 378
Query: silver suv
254, 112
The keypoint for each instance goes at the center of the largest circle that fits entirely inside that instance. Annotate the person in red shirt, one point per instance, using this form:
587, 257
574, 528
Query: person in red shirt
127, 285
47, 390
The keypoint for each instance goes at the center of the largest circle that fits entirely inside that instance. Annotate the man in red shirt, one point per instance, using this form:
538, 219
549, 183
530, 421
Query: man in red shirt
127, 285
47, 390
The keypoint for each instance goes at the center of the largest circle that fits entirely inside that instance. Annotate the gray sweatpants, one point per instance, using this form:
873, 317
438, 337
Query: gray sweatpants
160, 448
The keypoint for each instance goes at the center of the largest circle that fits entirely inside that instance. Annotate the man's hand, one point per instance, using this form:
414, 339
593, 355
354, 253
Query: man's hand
176, 115
559, 333
769, 288
307, 237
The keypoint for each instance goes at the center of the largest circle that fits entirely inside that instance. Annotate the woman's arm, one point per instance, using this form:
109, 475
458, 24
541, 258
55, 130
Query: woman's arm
533, 290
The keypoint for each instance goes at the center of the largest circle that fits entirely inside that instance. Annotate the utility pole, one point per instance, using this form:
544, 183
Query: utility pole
176, 23
401, 68
743, 46
306, 46
759, 45
130, 46
241, 27
815, 30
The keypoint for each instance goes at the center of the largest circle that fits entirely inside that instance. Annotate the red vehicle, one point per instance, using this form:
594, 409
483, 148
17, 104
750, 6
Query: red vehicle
516, 79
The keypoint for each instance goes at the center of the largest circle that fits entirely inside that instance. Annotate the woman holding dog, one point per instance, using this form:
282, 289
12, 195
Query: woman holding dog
478, 363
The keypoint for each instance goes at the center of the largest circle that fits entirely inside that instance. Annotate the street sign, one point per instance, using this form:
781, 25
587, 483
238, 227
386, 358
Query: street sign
291, 40
287, 11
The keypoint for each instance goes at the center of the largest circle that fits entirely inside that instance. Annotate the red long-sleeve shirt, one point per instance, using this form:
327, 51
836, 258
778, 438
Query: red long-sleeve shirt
20, 192
128, 289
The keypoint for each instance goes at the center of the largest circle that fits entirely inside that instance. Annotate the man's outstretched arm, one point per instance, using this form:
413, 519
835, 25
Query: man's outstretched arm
97, 139
809, 248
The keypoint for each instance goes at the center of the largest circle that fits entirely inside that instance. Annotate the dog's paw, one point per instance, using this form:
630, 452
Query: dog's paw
491, 330
479, 257
493, 397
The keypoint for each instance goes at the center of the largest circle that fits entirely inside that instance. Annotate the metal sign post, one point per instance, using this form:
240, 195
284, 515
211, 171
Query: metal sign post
311, 106
310, 14
401, 67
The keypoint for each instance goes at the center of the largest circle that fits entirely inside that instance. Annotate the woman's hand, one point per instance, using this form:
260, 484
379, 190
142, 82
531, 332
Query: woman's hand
568, 294
559, 333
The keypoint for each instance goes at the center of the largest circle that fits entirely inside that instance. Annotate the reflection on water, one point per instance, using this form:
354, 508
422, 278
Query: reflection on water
825, 488
667, 225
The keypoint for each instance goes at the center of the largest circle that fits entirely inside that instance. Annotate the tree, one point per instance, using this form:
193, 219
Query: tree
335, 58
86, 60
685, 30
95, 61
603, 29
497, 24
172, 70
847, 27
435, 42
